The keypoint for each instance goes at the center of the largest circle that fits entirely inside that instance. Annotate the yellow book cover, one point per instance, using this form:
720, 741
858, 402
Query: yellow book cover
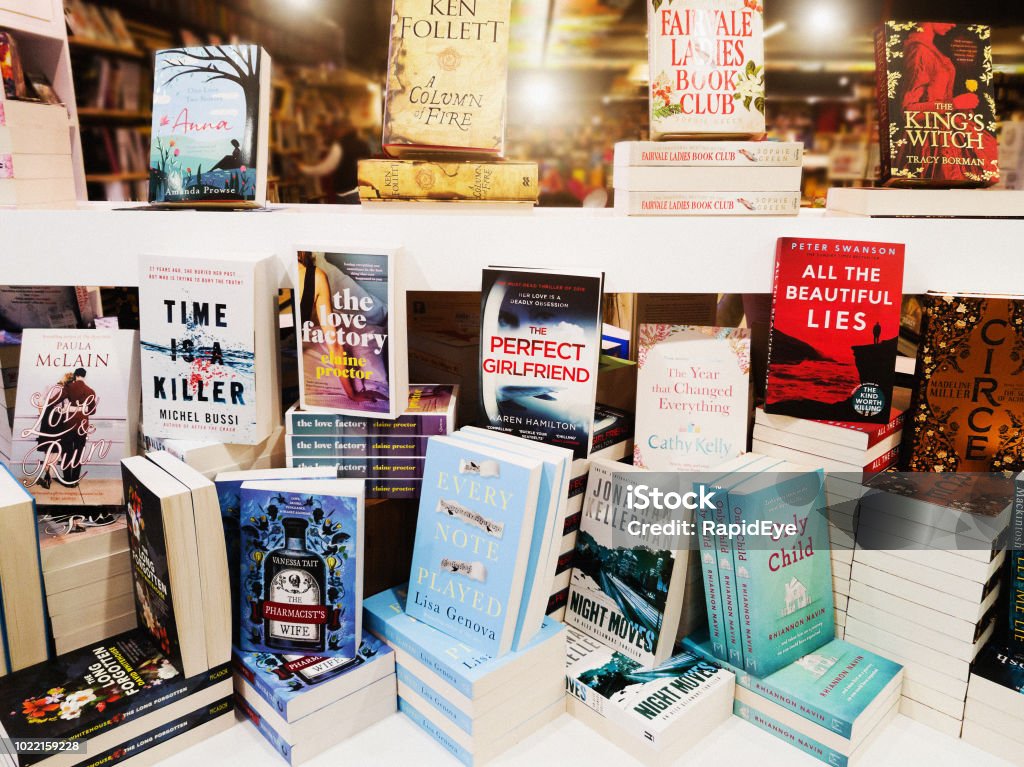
423, 180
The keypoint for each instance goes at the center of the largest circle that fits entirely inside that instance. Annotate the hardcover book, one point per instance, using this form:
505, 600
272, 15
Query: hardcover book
964, 414
211, 126
540, 341
706, 62
834, 328
447, 78
203, 323
937, 111
76, 414
429, 180
626, 591
430, 413
692, 395
474, 534
302, 567
350, 328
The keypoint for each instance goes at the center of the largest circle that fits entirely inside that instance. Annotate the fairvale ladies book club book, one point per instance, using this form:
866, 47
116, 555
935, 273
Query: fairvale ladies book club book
834, 328
540, 341
211, 126
350, 326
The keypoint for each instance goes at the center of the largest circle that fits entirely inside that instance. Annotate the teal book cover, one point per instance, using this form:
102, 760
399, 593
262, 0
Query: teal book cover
784, 732
784, 578
473, 540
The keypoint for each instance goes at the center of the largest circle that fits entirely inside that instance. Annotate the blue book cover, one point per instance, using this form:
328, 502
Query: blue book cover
1000, 665
784, 585
473, 539
440, 736
301, 567
784, 732
210, 125
459, 718
469, 670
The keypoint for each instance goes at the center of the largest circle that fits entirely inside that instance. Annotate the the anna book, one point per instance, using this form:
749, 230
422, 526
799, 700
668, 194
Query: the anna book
430, 413
540, 342
350, 329
473, 539
834, 328
208, 338
693, 390
211, 126
76, 414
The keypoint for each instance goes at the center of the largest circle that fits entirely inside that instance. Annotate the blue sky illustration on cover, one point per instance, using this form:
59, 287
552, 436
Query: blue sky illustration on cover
205, 124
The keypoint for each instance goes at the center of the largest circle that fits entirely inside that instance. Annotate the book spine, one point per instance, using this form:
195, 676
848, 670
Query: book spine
278, 743
786, 733
707, 203
727, 585
882, 96
258, 684
416, 180
434, 662
741, 571
712, 597
1016, 559
557, 603
364, 468
895, 425
748, 154
436, 700
335, 425
439, 735
882, 462
358, 447
384, 488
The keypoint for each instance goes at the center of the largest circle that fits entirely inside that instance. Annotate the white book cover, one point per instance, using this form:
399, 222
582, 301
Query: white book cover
692, 394
76, 408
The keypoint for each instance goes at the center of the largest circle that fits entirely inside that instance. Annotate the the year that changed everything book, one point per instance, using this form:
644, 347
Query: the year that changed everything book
834, 329
540, 341
350, 326
211, 126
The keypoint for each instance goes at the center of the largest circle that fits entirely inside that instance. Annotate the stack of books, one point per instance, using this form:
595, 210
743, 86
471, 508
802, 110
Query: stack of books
36, 169
211, 458
475, 705
86, 565
707, 178
994, 714
305, 705
388, 453
925, 582
831, 703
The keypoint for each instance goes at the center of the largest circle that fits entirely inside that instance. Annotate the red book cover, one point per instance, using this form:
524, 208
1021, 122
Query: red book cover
835, 322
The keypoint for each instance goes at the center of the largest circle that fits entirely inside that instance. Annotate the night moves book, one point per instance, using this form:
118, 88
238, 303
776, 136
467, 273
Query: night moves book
540, 342
77, 406
351, 330
834, 328
693, 390
211, 126
204, 323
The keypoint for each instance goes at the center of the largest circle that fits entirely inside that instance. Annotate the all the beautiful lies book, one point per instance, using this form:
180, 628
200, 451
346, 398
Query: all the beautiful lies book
937, 110
76, 414
447, 78
706, 62
302, 567
204, 322
473, 540
966, 412
350, 327
211, 126
693, 386
834, 328
540, 342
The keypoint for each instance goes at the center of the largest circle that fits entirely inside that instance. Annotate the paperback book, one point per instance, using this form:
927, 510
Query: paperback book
715, 154
834, 329
351, 333
430, 413
540, 341
716, 203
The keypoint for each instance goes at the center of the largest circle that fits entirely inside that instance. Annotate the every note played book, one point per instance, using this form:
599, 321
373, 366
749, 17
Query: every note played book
211, 126
302, 567
937, 111
76, 414
350, 326
204, 324
540, 342
834, 328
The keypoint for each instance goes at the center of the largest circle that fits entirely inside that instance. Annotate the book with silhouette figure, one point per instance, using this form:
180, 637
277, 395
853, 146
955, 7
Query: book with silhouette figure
211, 121
834, 329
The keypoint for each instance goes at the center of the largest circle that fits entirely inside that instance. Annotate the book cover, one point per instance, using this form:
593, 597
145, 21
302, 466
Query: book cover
447, 78
834, 329
626, 589
473, 540
937, 110
351, 333
301, 567
210, 125
540, 342
692, 395
427, 180
1000, 665
706, 61
747, 154
965, 415
654, 704
430, 413
75, 417
12, 73
200, 378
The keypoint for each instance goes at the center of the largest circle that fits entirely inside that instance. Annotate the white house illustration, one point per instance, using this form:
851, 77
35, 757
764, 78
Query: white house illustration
743, 572
796, 597
724, 564
817, 664
709, 558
